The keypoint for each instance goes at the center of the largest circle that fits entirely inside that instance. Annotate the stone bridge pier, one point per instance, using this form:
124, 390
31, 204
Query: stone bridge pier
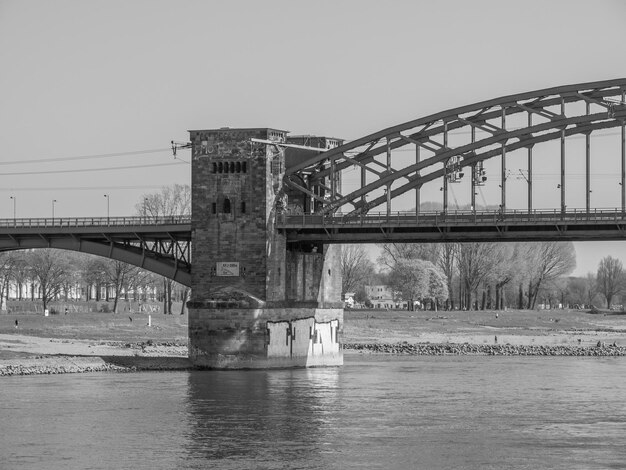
256, 302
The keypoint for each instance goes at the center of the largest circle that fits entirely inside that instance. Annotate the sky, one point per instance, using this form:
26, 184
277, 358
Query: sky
105, 85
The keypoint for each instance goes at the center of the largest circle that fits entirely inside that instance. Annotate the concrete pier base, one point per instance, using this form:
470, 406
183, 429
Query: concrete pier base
254, 338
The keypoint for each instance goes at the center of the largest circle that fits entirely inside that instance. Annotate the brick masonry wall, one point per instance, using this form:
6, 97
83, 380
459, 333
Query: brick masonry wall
244, 234
228, 314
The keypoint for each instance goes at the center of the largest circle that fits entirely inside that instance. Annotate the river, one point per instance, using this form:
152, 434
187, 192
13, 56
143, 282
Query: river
375, 412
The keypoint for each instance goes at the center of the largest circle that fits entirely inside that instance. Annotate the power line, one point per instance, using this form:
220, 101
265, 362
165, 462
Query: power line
86, 157
82, 188
129, 167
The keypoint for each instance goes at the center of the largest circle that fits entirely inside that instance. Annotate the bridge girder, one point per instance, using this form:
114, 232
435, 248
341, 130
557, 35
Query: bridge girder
167, 255
552, 114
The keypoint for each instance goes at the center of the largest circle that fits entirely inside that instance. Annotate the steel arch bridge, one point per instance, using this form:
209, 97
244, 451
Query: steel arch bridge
495, 128
158, 244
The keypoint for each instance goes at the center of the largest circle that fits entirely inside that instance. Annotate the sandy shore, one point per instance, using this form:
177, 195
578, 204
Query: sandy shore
28, 355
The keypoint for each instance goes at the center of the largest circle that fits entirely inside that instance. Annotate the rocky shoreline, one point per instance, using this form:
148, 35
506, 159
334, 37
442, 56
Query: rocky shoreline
52, 365
458, 349
59, 364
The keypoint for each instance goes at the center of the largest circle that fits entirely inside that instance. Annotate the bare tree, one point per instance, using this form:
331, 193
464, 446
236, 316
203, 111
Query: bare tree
476, 262
591, 288
391, 253
446, 259
547, 261
610, 278
356, 267
7, 269
169, 201
49, 269
119, 275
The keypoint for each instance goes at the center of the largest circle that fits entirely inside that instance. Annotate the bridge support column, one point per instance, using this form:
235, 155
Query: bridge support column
255, 302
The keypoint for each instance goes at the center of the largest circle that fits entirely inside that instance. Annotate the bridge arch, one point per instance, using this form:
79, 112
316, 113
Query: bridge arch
165, 267
160, 245
539, 116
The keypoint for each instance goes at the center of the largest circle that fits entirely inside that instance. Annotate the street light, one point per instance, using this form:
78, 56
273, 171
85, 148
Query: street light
14, 198
108, 206
145, 209
53, 203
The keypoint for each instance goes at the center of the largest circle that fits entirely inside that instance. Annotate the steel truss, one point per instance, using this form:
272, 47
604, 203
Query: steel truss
549, 114
163, 247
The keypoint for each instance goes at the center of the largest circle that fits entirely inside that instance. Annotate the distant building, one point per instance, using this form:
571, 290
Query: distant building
381, 296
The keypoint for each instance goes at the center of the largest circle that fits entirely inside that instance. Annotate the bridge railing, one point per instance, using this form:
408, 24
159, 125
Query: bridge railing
456, 217
94, 221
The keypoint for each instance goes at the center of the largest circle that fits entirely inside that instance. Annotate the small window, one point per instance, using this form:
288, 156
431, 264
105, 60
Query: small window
226, 167
244, 167
243, 207
220, 167
214, 167
214, 208
232, 167
226, 206
238, 167
276, 166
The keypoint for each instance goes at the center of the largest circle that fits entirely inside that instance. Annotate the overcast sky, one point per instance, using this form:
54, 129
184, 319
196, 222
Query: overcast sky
95, 78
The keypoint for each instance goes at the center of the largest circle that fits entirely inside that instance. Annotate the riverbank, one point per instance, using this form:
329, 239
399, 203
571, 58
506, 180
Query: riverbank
86, 342
425, 349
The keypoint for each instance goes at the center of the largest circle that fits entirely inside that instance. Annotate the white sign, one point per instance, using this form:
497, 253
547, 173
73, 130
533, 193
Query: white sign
227, 269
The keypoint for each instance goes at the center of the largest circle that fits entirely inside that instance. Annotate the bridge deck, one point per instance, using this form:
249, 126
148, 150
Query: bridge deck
571, 225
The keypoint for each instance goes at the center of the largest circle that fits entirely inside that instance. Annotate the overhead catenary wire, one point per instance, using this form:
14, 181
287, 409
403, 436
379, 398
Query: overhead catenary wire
83, 188
85, 157
85, 170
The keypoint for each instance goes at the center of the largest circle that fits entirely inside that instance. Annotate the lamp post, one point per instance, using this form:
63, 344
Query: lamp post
53, 203
108, 207
145, 208
14, 198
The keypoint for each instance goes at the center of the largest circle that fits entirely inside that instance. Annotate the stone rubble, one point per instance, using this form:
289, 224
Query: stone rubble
428, 349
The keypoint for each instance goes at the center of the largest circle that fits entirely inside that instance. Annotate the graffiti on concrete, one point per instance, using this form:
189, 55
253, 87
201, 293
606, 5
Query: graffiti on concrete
302, 338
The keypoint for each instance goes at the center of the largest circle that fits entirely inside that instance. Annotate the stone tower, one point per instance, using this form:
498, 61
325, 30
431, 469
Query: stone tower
256, 302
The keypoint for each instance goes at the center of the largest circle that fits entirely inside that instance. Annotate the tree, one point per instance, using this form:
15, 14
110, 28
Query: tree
391, 253
169, 201
610, 278
447, 253
476, 261
416, 279
547, 261
355, 267
119, 275
506, 268
50, 269
591, 288
7, 269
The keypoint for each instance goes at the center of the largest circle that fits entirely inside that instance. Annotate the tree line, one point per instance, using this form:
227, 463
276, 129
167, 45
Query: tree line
487, 275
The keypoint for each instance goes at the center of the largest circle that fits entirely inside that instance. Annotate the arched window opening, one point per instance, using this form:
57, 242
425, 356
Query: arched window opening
214, 167
243, 207
244, 167
220, 167
226, 206
226, 167
214, 208
232, 167
238, 167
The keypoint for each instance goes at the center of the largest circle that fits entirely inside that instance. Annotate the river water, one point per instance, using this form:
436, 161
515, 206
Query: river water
375, 412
